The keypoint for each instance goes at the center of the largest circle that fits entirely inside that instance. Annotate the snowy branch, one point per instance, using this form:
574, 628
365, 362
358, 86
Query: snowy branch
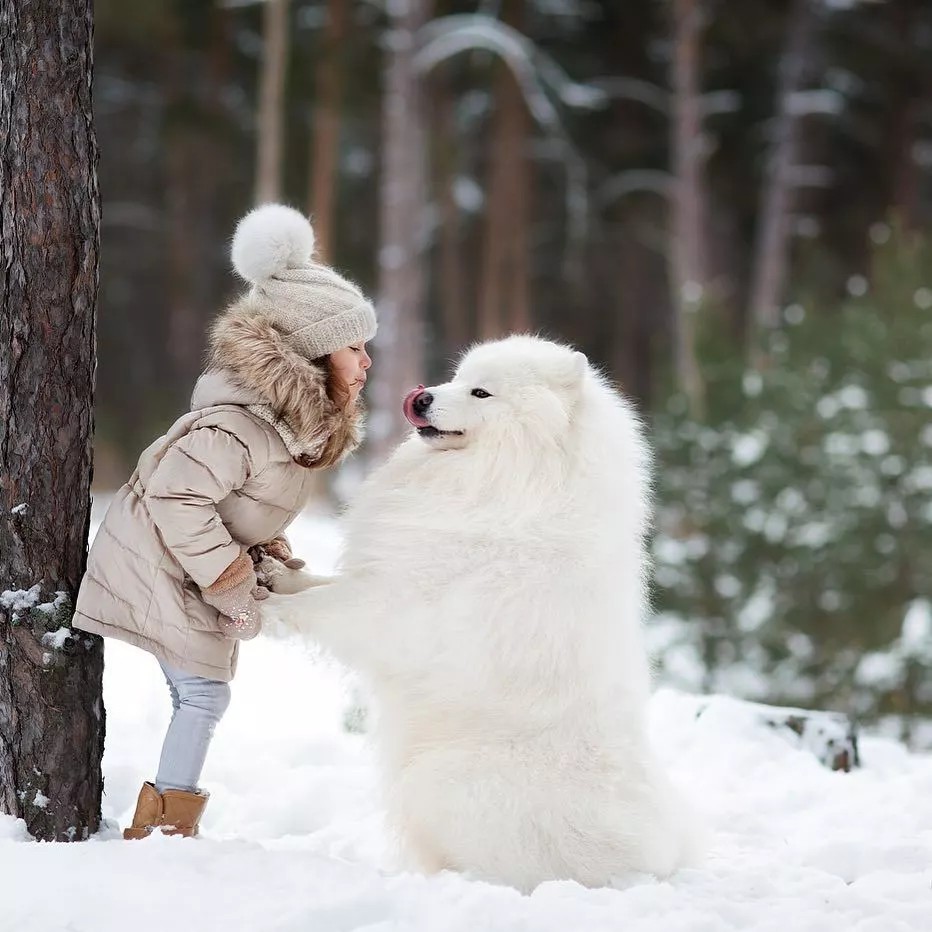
448, 36
643, 92
636, 182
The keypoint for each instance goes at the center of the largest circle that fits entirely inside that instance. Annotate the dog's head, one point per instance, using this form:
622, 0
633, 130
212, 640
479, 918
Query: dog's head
503, 391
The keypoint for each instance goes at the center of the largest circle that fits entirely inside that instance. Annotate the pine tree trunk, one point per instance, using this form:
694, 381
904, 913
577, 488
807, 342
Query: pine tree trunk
272, 100
326, 138
504, 300
51, 711
688, 273
770, 263
402, 199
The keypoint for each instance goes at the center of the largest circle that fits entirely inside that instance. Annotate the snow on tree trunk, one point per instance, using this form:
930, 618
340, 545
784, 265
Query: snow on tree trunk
687, 259
51, 711
402, 196
324, 178
271, 100
770, 263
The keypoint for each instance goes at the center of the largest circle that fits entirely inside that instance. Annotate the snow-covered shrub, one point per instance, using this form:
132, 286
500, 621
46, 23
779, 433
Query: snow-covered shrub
794, 539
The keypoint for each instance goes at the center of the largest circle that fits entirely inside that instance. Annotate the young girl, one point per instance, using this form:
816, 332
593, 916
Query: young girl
169, 569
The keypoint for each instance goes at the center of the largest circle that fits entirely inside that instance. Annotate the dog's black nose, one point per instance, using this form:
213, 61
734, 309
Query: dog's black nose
422, 403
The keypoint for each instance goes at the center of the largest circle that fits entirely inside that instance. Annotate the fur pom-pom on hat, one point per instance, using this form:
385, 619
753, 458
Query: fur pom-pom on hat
269, 240
317, 309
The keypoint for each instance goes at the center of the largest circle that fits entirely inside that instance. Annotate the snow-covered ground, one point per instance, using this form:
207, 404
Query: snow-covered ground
293, 839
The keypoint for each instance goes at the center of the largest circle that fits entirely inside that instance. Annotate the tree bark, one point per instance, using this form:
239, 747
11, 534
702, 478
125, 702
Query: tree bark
402, 199
770, 263
326, 139
504, 299
687, 257
271, 100
51, 711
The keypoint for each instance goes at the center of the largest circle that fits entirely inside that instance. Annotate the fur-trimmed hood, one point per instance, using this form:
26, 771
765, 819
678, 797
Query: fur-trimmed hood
251, 363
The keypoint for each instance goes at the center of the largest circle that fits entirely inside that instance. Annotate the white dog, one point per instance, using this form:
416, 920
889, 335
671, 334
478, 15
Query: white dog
492, 594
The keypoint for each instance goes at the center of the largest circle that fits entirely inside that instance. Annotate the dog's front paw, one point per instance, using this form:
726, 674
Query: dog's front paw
286, 577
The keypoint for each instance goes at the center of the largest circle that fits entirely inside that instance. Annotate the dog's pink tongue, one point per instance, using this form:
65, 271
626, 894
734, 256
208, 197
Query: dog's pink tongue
413, 417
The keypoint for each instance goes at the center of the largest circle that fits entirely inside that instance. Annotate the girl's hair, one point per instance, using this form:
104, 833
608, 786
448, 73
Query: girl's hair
337, 391
345, 415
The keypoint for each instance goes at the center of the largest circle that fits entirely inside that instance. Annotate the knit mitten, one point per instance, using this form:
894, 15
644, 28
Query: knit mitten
236, 595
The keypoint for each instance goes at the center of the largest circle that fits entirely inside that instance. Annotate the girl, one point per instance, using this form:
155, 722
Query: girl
169, 569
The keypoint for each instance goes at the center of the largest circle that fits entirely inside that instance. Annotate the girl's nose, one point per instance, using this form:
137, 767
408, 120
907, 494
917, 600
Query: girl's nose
366, 360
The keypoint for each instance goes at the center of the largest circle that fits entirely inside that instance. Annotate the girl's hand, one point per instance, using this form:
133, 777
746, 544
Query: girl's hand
236, 595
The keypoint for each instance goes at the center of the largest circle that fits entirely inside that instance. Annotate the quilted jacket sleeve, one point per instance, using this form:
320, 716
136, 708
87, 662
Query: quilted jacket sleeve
197, 471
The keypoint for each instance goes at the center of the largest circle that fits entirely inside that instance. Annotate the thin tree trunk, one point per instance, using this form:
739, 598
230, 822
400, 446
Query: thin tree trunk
907, 112
195, 167
402, 197
688, 273
326, 140
504, 298
271, 100
770, 263
51, 711
455, 303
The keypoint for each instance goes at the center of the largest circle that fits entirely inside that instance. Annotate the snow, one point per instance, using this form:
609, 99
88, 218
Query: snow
923, 298
293, 838
56, 639
18, 601
749, 448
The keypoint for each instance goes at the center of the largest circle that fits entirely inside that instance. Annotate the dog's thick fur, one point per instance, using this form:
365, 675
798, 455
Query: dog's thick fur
492, 593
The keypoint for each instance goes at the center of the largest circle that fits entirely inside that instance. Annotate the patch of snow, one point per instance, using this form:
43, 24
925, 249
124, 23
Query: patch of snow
923, 298
758, 609
875, 442
56, 639
17, 601
853, 397
747, 449
857, 286
879, 233
916, 634
467, 194
49, 608
794, 314
294, 837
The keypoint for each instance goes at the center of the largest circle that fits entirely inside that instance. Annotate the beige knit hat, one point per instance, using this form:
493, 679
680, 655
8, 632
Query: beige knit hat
318, 310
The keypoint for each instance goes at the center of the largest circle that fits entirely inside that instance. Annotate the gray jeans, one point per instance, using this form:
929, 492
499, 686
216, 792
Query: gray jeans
198, 705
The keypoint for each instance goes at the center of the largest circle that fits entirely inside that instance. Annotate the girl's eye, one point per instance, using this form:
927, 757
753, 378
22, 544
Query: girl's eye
480, 393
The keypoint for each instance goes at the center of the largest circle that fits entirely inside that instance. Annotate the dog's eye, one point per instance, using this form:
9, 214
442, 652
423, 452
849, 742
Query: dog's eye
480, 393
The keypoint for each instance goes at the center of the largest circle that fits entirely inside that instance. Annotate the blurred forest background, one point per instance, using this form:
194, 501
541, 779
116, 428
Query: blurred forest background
725, 204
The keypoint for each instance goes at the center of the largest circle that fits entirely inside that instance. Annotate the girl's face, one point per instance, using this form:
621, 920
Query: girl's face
350, 365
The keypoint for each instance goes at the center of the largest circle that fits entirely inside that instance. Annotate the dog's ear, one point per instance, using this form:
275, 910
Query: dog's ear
574, 371
580, 365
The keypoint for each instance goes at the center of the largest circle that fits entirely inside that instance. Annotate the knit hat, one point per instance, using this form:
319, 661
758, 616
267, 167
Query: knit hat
317, 310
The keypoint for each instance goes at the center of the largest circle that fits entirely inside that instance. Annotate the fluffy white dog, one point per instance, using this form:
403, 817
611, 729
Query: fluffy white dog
492, 594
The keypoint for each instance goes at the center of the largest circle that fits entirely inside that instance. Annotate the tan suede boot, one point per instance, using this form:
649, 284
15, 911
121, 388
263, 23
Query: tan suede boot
174, 812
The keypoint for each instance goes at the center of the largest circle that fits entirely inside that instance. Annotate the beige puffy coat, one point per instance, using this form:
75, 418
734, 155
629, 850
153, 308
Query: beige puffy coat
226, 476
